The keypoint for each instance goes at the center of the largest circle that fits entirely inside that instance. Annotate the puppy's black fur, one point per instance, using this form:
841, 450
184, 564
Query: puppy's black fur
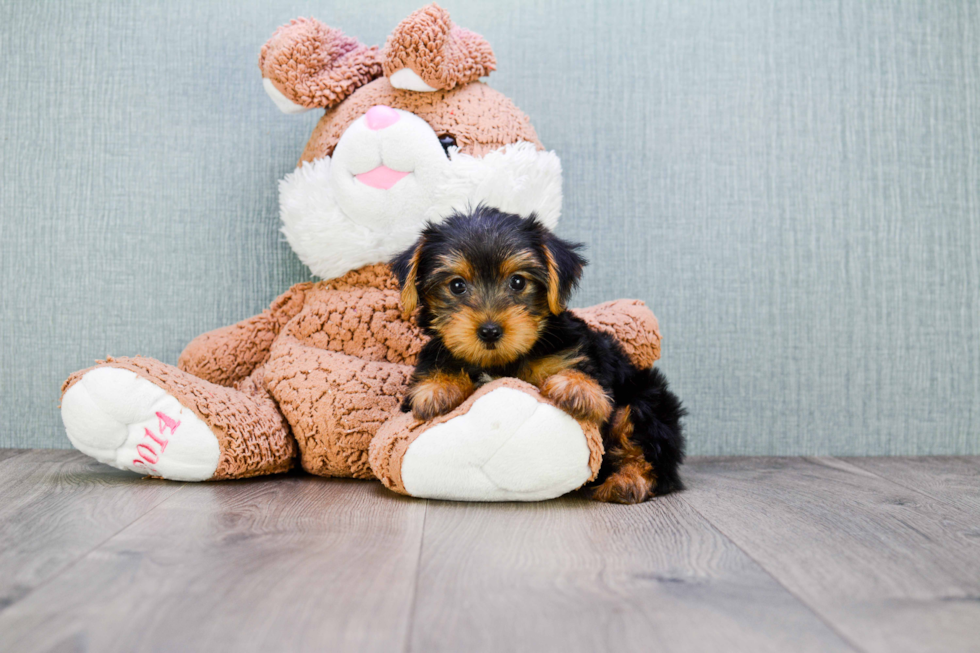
483, 251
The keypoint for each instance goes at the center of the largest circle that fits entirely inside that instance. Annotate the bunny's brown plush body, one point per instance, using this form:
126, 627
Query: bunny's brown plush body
409, 134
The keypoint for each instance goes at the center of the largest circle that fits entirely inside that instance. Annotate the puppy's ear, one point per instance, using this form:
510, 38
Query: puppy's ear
406, 269
564, 269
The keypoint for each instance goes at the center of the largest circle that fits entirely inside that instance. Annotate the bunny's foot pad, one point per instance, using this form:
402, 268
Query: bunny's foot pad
504, 443
126, 421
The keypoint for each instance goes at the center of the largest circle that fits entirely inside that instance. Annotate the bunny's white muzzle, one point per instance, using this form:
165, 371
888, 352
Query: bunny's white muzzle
388, 176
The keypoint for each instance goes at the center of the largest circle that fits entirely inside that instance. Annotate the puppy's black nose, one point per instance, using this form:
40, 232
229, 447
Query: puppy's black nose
489, 333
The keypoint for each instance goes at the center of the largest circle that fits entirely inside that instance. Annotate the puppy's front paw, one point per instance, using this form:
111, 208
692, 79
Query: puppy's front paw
579, 395
627, 485
439, 394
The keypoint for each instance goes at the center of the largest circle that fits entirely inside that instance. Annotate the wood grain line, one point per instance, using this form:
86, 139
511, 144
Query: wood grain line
891, 569
407, 646
572, 575
57, 506
281, 563
954, 480
759, 554
6, 454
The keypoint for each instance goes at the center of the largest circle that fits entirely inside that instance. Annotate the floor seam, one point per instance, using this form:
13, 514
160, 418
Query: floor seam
945, 502
806, 604
20, 452
92, 550
415, 589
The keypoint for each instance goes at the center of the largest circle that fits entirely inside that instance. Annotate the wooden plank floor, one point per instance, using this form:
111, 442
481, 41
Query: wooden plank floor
759, 554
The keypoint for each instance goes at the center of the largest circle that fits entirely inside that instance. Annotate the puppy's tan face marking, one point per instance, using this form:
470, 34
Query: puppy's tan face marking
508, 294
459, 333
522, 262
454, 264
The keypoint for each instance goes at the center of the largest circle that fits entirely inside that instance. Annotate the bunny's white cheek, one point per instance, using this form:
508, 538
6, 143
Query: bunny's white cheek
516, 178
389, 176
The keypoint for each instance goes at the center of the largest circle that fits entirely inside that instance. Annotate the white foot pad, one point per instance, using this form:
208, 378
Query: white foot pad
121, 419
508, 447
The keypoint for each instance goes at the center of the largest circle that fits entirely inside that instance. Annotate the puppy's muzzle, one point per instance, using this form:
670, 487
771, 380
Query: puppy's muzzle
489, 333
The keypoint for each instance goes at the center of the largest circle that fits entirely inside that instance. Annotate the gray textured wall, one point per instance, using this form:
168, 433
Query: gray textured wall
793, 186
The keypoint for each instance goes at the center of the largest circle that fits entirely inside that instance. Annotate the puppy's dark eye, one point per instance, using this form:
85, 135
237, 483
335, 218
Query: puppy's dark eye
457, 286
517, 283
447, 141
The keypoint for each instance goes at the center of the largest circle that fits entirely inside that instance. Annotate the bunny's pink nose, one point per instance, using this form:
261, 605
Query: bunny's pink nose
380, 116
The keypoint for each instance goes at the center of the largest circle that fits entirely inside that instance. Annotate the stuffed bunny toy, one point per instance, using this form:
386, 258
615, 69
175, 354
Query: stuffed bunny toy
408, 135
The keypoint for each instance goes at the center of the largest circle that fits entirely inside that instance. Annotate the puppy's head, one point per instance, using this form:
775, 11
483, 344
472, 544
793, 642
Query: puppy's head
486, 282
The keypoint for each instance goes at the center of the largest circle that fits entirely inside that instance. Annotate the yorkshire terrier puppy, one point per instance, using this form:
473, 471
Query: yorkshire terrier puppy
492, 288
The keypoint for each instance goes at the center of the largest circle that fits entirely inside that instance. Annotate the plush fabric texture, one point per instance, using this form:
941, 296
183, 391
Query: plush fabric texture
126, 421
480, 118
357, 315
252, 434
632, 323
227, 355
317, 375
335, 405
443, 54
518, 178
314, 65
340, 367
335, 372
394, 438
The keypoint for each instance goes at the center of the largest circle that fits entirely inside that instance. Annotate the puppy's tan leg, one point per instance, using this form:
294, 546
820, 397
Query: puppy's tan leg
579, 395
632, 479
537, 371
438, 393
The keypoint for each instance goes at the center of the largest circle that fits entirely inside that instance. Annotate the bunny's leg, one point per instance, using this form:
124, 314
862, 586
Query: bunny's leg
505, 443
145, 416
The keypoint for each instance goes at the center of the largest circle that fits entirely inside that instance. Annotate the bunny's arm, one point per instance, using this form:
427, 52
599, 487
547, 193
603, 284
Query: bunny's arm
632, 323
229, 354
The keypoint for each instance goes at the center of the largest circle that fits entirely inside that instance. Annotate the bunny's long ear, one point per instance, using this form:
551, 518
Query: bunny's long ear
308, 65
428, 52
